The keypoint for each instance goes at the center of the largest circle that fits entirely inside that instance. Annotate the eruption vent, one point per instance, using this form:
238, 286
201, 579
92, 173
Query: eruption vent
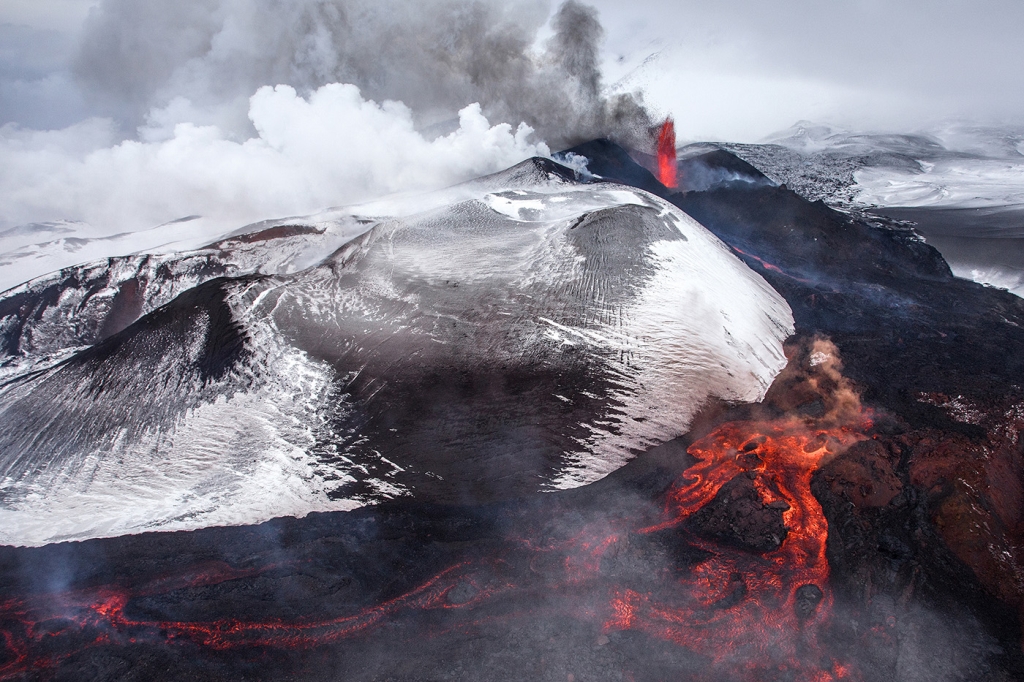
667, 154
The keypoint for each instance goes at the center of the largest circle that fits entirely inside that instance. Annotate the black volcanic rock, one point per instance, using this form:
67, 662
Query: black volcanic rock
740, 515
701, 172
719, 159
810, 241
613, 163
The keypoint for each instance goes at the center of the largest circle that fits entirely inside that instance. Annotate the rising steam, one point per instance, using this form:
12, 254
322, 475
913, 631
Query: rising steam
239, 110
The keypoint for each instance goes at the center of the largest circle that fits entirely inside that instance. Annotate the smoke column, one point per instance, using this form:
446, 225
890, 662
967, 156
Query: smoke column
241, 110
150, 63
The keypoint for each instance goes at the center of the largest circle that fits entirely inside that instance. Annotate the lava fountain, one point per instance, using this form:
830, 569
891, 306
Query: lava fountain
667, 155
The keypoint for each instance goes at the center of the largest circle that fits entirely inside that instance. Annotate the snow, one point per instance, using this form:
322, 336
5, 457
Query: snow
947, 183
520, 269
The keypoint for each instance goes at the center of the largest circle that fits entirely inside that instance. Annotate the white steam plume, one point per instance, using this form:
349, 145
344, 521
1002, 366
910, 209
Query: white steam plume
242, 110
334, 148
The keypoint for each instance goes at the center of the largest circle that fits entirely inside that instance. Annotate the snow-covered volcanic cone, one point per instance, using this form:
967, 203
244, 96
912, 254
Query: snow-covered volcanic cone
521, 333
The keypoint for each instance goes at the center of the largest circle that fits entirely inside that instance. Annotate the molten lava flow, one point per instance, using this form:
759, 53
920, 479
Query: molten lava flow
737, 605
768, 266
755, 615
101, 615
667, 155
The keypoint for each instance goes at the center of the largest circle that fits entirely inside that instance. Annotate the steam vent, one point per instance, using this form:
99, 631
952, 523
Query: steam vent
599, 416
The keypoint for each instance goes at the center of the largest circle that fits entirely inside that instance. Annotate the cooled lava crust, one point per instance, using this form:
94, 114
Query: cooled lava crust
888, 549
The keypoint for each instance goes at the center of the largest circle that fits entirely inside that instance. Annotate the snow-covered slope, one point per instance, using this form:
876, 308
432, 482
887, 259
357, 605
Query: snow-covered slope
46, 318
516, 334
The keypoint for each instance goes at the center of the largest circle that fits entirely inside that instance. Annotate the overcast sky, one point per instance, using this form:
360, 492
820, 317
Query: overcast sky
744, 67
730, 70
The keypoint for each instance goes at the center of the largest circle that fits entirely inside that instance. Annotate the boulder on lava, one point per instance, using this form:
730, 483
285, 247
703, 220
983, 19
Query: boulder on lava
740, 515
807, 599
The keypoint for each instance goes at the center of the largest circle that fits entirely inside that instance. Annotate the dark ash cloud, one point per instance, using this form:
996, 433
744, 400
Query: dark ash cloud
155, 63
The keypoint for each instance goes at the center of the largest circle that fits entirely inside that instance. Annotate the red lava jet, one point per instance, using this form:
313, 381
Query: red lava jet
667, 155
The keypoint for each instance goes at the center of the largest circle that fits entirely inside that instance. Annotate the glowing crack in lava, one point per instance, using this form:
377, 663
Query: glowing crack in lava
98, 617
667, 155
769, 266
737, 606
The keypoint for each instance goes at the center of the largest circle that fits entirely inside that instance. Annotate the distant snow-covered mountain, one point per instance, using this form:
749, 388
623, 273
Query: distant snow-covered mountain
962, 187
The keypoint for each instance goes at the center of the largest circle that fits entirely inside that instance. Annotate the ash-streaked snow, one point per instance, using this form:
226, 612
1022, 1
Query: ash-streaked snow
963, 182
517, 334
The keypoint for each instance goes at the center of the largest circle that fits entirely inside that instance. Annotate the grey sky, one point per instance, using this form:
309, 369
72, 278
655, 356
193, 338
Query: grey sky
738, 70
872, 63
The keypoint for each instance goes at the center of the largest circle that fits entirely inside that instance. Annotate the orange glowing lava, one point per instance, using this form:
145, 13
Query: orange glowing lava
768, 266
755, 615
667, 155
777, 614
101, 614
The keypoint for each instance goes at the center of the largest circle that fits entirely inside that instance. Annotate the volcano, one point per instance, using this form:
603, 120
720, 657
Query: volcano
524, 332
548, 424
